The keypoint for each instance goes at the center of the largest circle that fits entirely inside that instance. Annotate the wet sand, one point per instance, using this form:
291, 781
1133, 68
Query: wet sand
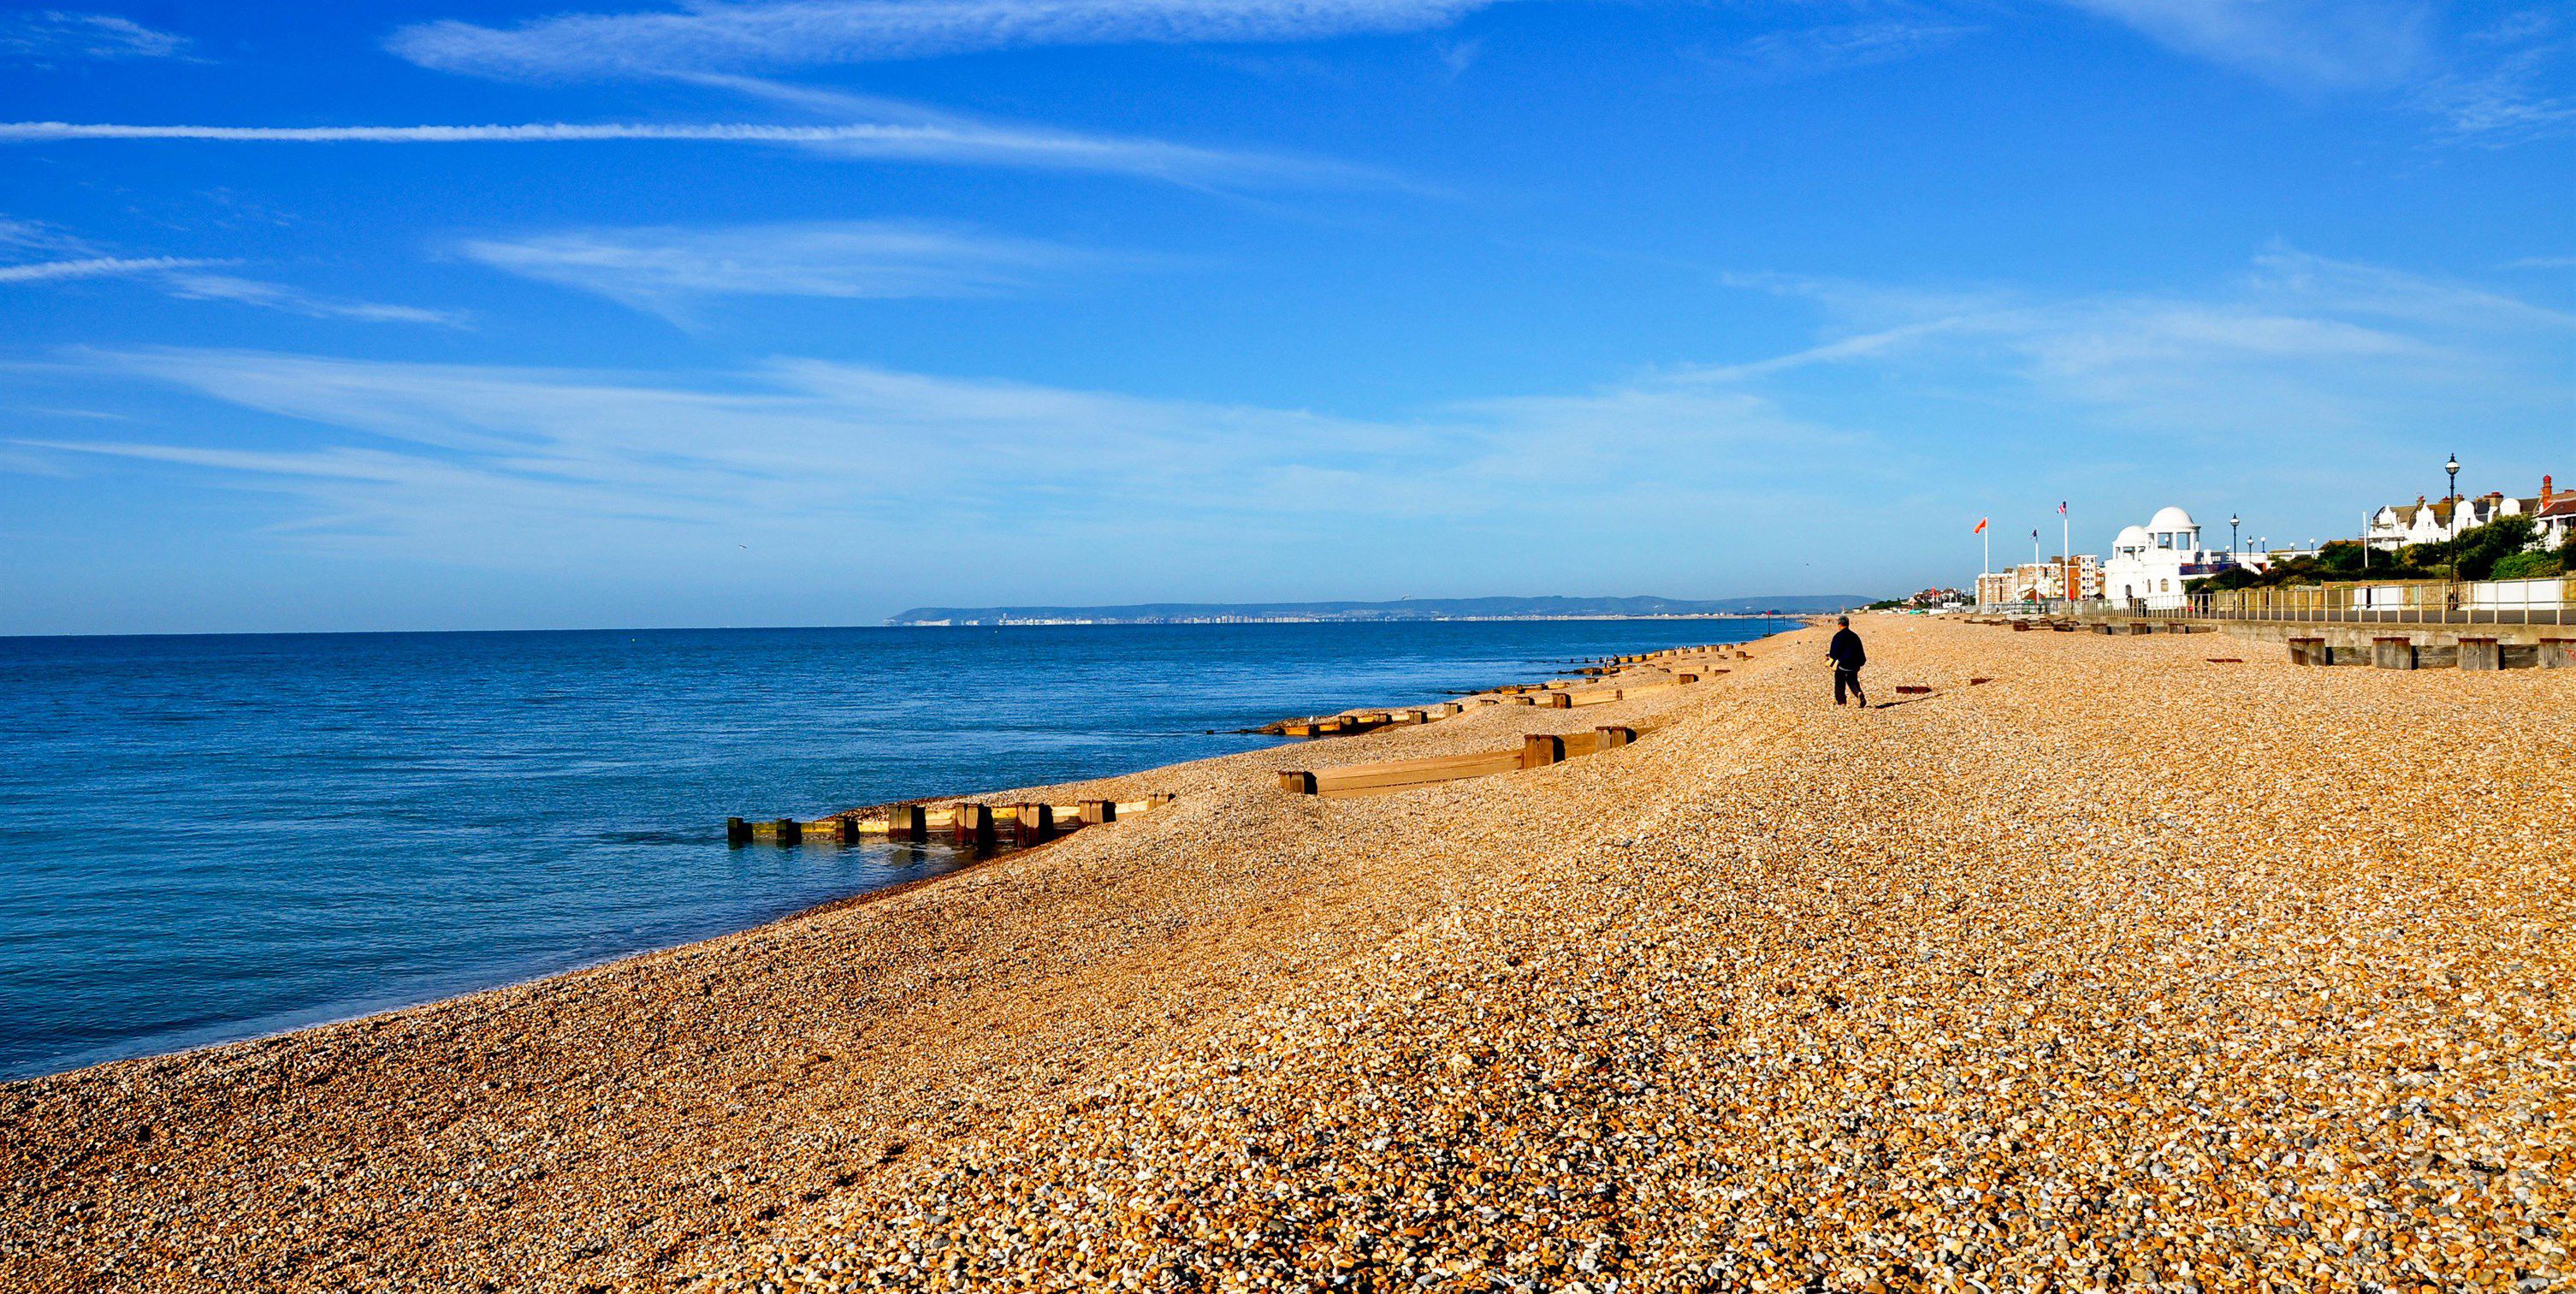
2125, 970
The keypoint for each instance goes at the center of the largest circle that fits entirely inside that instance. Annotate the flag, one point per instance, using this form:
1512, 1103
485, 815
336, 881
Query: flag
1981, 527
2061, 509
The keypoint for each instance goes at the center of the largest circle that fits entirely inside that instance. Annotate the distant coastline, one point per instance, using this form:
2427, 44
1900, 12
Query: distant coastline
1406, 609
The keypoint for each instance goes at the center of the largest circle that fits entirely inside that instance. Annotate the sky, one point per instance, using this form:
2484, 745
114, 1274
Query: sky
459, 314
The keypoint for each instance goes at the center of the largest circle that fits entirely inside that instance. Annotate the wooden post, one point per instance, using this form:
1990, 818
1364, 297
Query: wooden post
1559, 701
1538, 750
974, 829
2392, 653
1158, 801
2308, 651
1612, 736
737, 832
1685, 678
2558, 653
1297, 781
2481, 654
790, 831
1036, 823
1097, 812
845, 828
908, 822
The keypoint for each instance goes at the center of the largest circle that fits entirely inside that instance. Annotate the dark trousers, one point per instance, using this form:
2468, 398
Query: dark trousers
1848, 678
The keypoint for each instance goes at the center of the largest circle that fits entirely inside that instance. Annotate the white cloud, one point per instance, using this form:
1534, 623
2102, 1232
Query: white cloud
48, 34
662, 269
2304, 43
2300, 343
943, 141
278, 296
2487, 85
2497, 91
188, 279
91, 267
1815, 51
473, 464
804, 33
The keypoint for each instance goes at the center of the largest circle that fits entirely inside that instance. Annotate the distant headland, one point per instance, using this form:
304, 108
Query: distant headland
1549, 608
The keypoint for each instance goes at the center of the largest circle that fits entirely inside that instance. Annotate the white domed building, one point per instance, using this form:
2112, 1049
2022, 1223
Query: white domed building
2151, 563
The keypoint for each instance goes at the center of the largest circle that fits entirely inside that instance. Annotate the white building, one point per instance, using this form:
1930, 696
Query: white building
2150, 564
2419, 522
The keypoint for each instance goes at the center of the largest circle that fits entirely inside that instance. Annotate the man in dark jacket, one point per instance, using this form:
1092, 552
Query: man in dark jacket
1847, 657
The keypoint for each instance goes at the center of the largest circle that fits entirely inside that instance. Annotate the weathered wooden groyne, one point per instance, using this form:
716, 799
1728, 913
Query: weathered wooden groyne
967, 825
985, 827
1643, 672
1537, 750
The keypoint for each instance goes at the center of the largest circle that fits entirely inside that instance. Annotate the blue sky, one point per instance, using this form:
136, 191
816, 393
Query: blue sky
483, 315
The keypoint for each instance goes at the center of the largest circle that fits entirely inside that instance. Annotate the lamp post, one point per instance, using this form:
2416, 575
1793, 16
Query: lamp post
2453, 467
2231, 539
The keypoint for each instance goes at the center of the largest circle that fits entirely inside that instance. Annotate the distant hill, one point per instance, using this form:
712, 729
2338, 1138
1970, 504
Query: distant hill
1556, 608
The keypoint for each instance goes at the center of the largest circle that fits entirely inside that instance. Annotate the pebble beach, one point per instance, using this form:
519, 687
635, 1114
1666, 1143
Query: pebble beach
2122, 970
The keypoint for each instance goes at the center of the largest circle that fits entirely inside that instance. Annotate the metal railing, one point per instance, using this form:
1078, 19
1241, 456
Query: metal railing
2492, 602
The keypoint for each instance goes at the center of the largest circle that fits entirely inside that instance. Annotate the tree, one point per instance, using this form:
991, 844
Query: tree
2473, 553
2527, 566
2477, 551
2342, 557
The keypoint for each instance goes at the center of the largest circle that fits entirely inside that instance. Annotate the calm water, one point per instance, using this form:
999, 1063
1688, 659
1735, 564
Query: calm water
211, 838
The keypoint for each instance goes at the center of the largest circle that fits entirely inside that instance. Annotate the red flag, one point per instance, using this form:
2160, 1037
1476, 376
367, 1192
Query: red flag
1981, 527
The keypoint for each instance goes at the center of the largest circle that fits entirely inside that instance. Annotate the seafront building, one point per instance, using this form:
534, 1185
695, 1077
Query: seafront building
2553, 514
2151, 564
2046, 581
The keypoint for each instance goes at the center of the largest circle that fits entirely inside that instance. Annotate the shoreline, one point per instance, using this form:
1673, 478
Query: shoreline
964, 862
1762, 921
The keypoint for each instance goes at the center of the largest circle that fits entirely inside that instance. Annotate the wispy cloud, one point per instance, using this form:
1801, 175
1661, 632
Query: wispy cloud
279, 296
93, 267
470, 462
663, 269
48, 34
923, 142
2497, 89
2300, 342
805, 33
2327, 44
191, 279
1816, 51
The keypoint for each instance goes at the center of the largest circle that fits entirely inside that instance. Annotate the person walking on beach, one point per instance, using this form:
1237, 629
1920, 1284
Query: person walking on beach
1846, 654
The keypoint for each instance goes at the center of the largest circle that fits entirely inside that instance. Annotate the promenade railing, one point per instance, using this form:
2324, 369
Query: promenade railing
2550, 601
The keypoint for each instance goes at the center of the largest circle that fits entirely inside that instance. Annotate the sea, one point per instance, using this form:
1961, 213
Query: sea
208, 838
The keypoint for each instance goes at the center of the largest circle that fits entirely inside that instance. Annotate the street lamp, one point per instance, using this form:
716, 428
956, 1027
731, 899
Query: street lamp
2231, 539
2454, 468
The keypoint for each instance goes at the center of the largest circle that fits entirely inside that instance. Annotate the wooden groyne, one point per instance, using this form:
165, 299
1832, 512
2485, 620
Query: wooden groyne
1537, 750
1636, 674
984, 827
968, 825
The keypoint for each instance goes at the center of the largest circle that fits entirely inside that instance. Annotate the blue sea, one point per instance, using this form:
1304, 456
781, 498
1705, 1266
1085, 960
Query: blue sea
211, 838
